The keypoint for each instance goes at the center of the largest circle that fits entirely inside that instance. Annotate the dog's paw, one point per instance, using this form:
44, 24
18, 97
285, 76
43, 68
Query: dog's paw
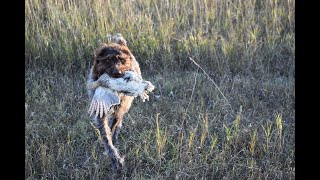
117, 164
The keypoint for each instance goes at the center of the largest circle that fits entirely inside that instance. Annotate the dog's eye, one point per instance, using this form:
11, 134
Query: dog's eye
122, 61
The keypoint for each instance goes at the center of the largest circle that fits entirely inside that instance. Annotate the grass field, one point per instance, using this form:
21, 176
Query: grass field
242, 129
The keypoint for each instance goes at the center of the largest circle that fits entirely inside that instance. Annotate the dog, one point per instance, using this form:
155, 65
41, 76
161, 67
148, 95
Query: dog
113, 59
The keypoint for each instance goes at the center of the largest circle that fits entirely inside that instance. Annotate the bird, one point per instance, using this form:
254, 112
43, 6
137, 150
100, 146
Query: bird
107, 89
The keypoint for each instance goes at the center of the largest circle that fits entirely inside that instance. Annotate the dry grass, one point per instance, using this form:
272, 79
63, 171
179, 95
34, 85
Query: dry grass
191, 132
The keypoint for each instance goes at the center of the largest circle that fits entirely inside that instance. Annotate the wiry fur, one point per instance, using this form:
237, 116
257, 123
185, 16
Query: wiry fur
113, 59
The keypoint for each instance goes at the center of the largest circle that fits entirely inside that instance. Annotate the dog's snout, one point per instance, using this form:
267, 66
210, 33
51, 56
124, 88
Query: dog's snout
116, 73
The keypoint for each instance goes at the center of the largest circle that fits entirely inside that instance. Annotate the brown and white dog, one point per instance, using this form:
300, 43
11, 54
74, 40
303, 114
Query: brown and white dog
113, 59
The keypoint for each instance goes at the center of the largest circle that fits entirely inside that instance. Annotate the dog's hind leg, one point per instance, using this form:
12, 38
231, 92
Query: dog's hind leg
112, 152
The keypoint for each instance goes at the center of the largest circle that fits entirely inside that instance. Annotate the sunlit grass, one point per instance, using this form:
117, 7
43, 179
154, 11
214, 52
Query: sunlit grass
189, 131
223, 35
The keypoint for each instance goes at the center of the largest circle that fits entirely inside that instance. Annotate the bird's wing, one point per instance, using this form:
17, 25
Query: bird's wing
102, 100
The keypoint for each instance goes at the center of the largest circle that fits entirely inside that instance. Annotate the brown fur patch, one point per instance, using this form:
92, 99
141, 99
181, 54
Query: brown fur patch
113, 59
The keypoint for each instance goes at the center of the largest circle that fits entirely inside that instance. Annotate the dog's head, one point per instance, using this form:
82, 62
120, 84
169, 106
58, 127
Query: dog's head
113, 59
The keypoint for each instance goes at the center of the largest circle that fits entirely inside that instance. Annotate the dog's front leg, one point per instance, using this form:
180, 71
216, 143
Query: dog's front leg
120, 111
110, 150
116, 126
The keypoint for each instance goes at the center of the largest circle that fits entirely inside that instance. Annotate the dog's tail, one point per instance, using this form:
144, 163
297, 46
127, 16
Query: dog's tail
118, 38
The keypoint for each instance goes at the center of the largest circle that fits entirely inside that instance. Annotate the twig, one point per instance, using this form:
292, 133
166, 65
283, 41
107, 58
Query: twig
210, 80
194, 85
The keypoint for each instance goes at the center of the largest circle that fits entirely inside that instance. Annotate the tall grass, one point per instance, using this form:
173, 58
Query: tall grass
159, 138
222, 35
234, 119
